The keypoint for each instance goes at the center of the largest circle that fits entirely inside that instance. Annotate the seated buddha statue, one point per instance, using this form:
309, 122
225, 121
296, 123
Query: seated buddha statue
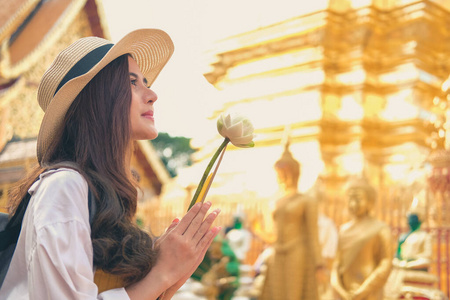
291, 272
238, 237
364, 257
410, 276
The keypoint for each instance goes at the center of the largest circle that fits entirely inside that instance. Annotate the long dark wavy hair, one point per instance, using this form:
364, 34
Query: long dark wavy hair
96, 137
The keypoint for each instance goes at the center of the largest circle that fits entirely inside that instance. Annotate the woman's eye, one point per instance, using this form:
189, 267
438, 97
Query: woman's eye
134, 82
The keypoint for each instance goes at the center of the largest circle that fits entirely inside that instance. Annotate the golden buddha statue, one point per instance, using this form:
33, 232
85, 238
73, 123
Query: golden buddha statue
364, 258
410, 277
291, 269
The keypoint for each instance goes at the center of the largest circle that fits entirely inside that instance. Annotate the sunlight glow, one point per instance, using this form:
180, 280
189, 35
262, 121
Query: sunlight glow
255, 87
351, 109
403, 73
289, 109
357, 76
398, 107
286, 60
351, 164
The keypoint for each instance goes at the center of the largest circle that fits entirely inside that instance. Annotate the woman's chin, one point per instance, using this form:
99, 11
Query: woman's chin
149, 135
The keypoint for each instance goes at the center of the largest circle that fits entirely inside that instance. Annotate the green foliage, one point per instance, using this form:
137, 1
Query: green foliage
175, 152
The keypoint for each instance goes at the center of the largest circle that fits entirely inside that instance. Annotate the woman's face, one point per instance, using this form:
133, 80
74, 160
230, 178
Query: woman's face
141, 110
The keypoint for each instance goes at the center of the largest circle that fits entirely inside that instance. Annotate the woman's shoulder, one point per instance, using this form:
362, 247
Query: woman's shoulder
59, 178
59, 195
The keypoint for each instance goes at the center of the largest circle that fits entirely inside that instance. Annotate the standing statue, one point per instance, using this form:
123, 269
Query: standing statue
410, 277
291, 270
364, 257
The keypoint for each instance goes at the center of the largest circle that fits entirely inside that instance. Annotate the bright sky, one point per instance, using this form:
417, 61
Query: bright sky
186, 99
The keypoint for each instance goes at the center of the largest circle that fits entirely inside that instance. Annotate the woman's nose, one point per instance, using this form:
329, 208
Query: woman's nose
151, 96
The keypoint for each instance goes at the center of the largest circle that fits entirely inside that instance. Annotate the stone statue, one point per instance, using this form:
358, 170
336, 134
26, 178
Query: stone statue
291, 270
364, 257
409, 277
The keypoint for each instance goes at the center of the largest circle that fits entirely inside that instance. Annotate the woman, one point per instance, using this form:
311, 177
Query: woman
97, 101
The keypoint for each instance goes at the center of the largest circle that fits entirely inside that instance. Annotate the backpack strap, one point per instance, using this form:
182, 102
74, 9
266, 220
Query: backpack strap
11, 233
91, 206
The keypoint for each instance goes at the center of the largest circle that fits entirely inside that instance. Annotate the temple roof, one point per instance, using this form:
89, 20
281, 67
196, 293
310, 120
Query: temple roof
15, 152
29, 28
18, 150
30, 31
12, 157
13, 13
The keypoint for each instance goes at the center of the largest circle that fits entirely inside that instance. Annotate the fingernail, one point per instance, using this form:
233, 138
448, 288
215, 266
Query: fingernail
176, 220
215, 212
208, 203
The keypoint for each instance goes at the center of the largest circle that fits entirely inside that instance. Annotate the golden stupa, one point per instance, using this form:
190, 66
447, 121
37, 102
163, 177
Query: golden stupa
357, 86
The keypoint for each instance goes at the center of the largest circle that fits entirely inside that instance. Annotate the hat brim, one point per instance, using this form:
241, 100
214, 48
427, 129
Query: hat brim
150, 48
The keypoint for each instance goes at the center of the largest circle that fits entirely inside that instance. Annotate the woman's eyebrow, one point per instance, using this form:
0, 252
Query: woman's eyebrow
135, 75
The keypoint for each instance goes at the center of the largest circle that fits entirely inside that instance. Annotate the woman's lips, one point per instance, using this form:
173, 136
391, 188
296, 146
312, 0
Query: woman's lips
148, 115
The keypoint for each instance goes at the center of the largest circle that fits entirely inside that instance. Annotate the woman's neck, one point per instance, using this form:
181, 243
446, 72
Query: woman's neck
128, 161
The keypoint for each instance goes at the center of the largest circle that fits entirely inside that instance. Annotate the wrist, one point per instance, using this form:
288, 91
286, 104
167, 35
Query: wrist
151, 286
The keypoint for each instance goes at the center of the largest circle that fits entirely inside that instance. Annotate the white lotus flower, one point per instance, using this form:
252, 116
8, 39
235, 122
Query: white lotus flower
238, 129
235, 129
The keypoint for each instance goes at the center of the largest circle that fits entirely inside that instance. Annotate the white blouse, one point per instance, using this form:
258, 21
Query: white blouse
54, 256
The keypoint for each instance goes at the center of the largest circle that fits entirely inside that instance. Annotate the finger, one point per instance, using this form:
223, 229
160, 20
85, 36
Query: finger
166, 232
187, 219
197, 221
173, 224
205, 226
208, 238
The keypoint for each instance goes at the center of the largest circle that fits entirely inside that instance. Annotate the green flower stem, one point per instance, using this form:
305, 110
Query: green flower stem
208, 169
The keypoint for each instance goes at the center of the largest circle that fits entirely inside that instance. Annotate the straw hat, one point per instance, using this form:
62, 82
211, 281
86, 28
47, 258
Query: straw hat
75, 66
